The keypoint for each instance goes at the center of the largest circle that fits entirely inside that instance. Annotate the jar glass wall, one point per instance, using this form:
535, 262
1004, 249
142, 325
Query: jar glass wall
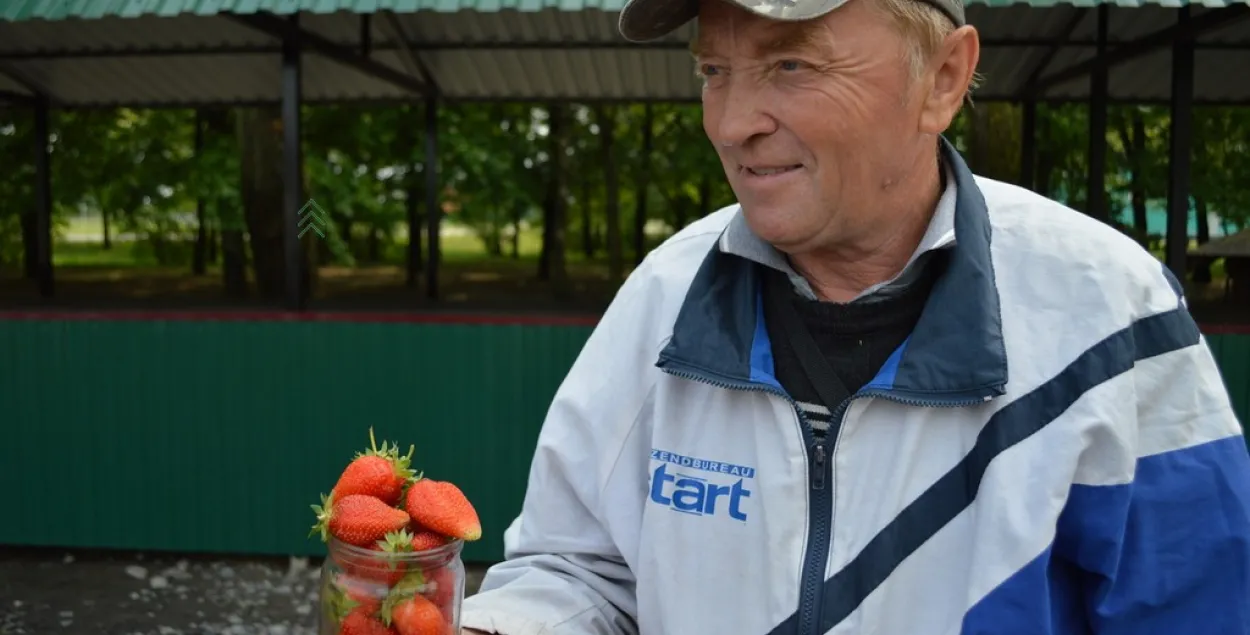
405, 591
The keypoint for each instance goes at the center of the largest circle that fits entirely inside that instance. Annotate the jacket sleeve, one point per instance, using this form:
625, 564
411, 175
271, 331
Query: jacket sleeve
1168, 551
563, 570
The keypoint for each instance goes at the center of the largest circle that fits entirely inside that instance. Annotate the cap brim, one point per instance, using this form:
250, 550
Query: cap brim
645, 20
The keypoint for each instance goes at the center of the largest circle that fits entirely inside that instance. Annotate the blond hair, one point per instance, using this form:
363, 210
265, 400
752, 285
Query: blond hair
924, 27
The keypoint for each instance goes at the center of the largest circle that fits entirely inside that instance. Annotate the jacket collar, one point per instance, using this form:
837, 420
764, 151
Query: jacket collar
738, 239
955, 353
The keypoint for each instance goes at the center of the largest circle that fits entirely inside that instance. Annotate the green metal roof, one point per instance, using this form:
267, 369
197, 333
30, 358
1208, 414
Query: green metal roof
16, 10
84, 53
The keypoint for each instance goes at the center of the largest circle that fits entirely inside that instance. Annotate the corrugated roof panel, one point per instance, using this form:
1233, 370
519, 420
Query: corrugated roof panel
113, 34
186, 80
18, 10
8, 85
539, 75
467, 53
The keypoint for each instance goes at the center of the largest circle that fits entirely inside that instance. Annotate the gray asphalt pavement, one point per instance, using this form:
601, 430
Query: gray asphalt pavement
57, 592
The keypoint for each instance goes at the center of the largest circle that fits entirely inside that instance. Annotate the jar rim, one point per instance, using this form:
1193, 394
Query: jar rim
453, 546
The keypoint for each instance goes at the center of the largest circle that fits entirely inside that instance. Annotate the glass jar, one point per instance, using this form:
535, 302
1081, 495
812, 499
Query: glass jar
364, 585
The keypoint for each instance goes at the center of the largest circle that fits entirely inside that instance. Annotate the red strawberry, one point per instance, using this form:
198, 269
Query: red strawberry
357, 519
384, 569
441, 507
416, 615
358, 593
380, 571
449, 616
379, 472
358, 622
426, 540
440, 586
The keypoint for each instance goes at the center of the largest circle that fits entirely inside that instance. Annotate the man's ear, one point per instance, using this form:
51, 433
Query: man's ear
951, 70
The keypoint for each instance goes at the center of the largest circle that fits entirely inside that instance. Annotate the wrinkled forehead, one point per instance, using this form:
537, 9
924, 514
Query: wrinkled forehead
722, 28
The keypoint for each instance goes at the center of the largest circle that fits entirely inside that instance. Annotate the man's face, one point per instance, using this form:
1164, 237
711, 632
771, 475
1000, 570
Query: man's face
814, 122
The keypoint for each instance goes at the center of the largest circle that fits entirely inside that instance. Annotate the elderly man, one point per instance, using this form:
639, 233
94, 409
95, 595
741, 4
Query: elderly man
880, 395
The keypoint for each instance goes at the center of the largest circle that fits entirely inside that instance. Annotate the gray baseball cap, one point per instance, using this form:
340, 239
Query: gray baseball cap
643, 20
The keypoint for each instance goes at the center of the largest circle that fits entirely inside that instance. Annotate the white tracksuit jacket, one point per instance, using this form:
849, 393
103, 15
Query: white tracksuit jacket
1051, 452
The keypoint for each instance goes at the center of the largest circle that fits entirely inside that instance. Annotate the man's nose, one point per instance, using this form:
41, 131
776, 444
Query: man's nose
743, 113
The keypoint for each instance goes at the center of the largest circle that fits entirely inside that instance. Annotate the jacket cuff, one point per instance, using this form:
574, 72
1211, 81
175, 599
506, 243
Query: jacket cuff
501, 623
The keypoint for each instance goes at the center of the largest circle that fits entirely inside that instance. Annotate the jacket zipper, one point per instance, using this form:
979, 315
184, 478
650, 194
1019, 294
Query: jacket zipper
816, 552
820, 503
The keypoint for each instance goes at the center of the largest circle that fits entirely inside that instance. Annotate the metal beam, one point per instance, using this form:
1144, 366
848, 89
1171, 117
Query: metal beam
20, 78
1056, 45
538, 100
412, 62
1209, 21
1179, 151
1096, 177
19, 98
1049, 43
287, 31
292, 175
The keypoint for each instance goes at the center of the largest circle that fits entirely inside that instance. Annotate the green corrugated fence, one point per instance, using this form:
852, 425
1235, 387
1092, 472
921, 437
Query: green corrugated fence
216, 436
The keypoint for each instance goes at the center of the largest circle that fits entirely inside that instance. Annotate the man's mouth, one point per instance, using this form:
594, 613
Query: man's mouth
769, 170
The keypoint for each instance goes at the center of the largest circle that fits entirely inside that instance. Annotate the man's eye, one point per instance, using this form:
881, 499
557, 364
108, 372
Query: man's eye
708, 69
790, 65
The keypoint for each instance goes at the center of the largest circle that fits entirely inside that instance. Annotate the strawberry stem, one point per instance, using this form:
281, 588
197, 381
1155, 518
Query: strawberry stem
324, 512
405, 589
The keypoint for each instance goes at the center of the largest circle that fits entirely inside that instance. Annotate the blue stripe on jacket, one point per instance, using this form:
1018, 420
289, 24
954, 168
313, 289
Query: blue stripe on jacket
1165, 554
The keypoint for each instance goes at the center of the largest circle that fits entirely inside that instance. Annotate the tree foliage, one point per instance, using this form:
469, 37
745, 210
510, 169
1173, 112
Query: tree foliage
140, 173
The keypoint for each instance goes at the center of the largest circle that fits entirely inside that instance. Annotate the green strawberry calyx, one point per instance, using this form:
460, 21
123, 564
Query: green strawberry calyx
338, 604
396, 542
324, 512
404, 590
408, 482
390, 452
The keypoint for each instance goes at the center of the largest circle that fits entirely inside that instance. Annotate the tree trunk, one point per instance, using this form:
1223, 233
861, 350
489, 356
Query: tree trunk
494, 238
517, 210
555, 244
416, 220
233, 263
374, 243
260, 159
30, 260
606, 116
108, 234
681, 205
1139, 182
979, 143
211, 250
199, 258
544, 253
588, 239
1202, 273
705, 195
1045, 155
1133, 139
641, 188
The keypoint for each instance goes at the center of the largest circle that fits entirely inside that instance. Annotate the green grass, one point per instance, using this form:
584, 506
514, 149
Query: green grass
456, 247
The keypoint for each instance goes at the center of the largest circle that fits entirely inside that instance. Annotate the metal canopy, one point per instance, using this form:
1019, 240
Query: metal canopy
200, 52
83, 53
